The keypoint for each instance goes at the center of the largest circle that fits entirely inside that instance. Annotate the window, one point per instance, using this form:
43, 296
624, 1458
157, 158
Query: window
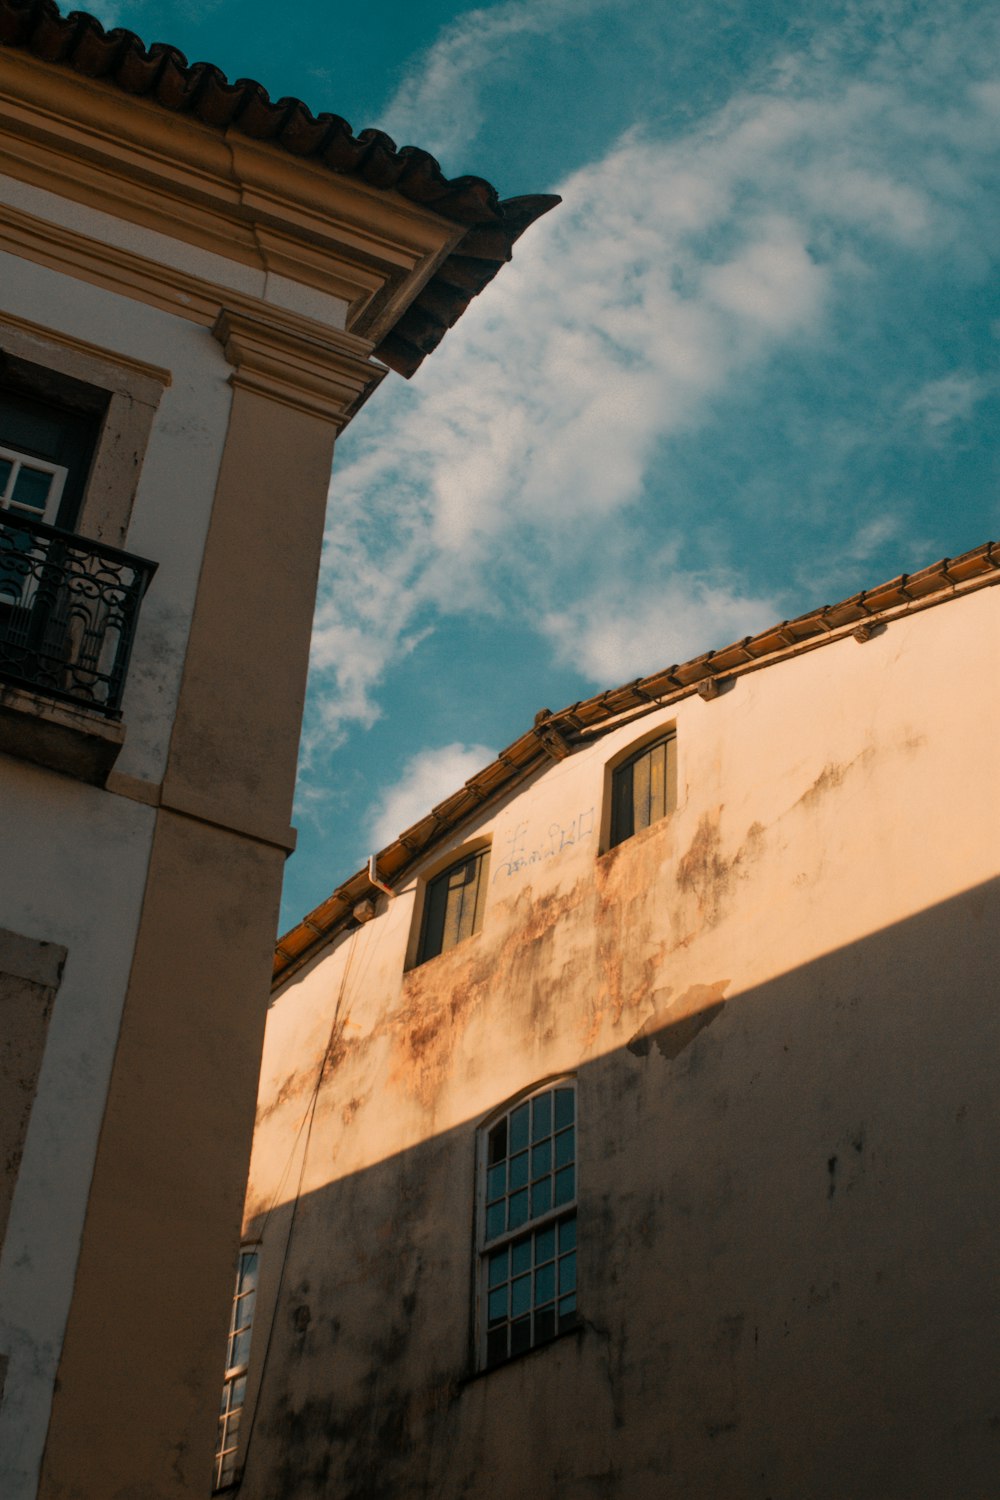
234, 1384
527, 1224
453, 904
46, 450
643, 789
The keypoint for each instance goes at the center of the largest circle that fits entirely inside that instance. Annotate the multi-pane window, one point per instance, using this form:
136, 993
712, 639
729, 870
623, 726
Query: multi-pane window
30, 486
643, 789
527, 1225
234, 1384
453, 904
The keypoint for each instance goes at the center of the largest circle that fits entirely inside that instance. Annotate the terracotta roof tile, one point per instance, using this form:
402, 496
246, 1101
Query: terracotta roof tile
162, 75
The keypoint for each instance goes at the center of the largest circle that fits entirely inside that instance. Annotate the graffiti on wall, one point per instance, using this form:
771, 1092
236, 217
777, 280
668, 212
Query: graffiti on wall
519, 851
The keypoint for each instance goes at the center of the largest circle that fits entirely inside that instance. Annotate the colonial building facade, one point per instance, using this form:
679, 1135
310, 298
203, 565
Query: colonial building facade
629, 1127
198, 288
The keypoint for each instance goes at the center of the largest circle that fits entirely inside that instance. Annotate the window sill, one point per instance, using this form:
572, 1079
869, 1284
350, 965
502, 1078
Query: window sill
516, 1359
60, 736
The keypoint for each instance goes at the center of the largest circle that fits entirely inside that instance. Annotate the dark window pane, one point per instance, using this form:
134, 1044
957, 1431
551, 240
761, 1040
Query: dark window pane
237, 1391
545, 1324
564, 1107
541, 1160
541, 1197
567, 1274
545, 1244
567, 1313
520, 1296
498, 1142
248, 1271
520, 1256
541, 1116
498, 1267
640, 793
5, 468
517, 1209
518, 1128
496, 1181
567, 1234
495, 1220
545, 1283
621, 805
518, 1170
31, 488
496, 1345
520, 1336
565, 1186
240, 1351
498, 1305
565, 1147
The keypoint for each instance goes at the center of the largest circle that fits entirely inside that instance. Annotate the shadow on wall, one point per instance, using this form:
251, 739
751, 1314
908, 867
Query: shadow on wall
788, 1227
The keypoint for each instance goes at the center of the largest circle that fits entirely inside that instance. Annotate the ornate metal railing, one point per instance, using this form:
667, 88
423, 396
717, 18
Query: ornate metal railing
68, 612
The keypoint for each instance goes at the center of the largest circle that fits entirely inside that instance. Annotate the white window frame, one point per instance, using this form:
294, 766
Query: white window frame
226, 1469
19, 461
531, 1230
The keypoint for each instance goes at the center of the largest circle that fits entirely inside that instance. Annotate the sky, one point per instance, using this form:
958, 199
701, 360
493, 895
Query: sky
748, 367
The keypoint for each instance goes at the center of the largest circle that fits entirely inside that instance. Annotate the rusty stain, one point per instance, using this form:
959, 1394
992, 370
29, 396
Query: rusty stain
674, 1028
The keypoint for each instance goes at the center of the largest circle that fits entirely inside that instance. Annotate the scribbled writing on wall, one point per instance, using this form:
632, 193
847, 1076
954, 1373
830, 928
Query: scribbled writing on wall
519, 849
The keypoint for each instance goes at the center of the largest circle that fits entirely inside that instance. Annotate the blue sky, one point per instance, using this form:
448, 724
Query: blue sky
748, 367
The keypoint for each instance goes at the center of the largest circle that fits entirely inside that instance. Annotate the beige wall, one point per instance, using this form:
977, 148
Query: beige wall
779, 1004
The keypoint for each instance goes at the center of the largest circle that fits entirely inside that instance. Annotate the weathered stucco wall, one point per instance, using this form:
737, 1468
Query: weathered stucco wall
779, 1003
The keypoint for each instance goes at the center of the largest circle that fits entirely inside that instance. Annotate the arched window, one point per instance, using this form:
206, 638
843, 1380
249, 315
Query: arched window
527, 1223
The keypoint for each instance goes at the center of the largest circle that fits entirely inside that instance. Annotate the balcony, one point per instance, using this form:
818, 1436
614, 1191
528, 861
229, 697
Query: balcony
68, 613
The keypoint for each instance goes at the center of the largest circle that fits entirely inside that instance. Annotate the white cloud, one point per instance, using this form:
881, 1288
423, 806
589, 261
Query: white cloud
507, 477
940, 404
427, 779
438, 99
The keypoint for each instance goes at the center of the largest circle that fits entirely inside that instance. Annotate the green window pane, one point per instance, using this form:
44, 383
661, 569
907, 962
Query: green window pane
541, 1116
565, 1107
545, 1283
565, 1185
567, 1313
541, 1160
545, 1244
31, 489
519, 1128
517, 1209
520, 1256
567, 1273
5, 471
498, 1267
498, 1304
496, 1181
520, 1296
567, 1234
565, 1147
518, 1170
498, 1143
541, 1197
495, 1220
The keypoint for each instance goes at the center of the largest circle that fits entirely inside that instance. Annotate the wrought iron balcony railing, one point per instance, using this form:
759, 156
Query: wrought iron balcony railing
68, 612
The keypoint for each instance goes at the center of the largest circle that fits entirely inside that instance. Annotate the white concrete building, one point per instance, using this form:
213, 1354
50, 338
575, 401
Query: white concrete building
193, 284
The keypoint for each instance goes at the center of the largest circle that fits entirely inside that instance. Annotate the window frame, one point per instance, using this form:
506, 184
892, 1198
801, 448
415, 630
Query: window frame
224, 1478
560, 1218
480, 853
616, 769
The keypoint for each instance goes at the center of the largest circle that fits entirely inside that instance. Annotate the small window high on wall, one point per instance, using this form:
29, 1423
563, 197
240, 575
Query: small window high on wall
234, 1383
643, 788
527, 1224
453, 904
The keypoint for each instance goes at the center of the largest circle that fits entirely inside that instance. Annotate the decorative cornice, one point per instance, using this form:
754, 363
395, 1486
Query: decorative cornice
327, 377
